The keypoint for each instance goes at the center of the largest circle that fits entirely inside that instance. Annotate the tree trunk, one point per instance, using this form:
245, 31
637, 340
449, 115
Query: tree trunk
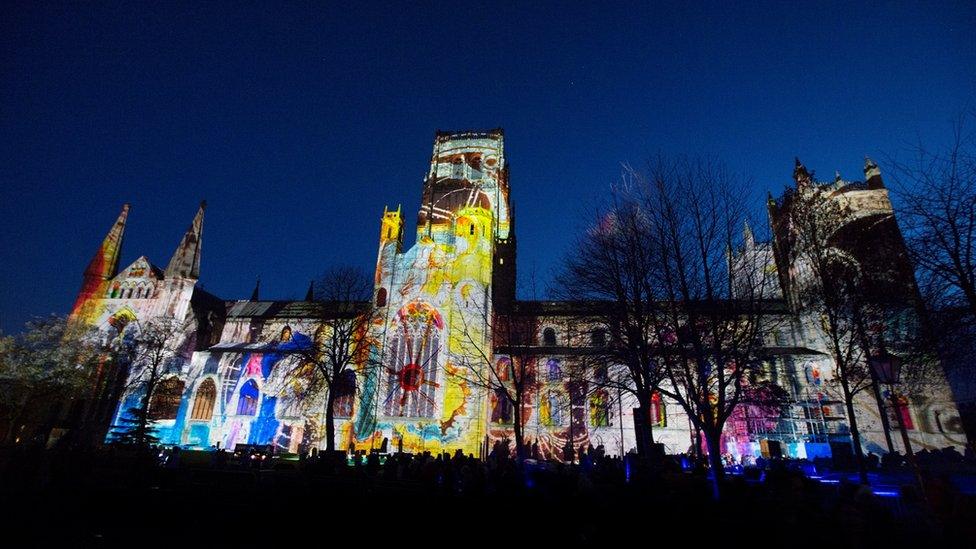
697, 446
713, 439
969, 290
866, 349
142, 427
642, 427
855, 434
519, 434
330, 421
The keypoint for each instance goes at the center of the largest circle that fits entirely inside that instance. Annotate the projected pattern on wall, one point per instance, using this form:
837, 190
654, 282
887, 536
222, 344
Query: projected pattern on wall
235, 379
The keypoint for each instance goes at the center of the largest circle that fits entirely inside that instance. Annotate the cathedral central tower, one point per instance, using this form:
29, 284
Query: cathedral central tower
437, 299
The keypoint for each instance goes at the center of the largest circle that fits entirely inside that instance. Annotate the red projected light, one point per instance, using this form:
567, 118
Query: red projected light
411, 376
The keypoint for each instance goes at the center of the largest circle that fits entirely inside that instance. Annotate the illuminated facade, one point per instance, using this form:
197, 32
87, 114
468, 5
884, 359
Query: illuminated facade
434, 305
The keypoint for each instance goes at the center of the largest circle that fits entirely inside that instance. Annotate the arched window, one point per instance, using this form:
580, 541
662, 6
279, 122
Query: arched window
115, 290
472, 229
165, 401
599, 338
345, 388
203, 404
600, 408
502, 409
554, 370
412, 380
550, 409
659, 414
549, 337
247, 401
381, 297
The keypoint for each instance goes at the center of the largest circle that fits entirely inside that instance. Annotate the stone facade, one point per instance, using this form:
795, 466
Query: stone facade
435, 304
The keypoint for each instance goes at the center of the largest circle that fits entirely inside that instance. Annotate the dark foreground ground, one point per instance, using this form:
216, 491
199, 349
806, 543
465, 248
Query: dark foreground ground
108, 501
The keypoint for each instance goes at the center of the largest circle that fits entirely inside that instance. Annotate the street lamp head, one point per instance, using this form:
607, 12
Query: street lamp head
886, 367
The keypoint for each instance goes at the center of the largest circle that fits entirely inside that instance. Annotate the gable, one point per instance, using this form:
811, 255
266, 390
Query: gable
140, 269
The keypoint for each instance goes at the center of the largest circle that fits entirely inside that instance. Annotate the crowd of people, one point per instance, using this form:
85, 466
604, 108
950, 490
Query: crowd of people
460, 473
596, 488
945, 459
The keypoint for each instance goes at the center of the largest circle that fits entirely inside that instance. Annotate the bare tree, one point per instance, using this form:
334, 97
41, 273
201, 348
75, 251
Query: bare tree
937, 192
153, 350
679, 316
342, 343
610, 273
498, 358
715, 310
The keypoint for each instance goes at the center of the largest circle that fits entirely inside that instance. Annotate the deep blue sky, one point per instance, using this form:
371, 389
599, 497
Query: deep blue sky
298, 124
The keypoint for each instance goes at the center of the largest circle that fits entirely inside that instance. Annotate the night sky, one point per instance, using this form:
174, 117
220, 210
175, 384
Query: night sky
299, 124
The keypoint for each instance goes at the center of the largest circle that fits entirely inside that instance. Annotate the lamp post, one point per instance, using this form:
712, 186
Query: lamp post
887, 370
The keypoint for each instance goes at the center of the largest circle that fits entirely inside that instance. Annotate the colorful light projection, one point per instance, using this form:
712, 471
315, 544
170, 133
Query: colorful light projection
102, 268
432, 301
432, 293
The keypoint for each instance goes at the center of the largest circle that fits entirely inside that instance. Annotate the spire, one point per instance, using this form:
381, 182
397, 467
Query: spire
185, 262
872, 174
105, 264
750, 239
256, 294
837, 177
800, 174
103, 267
310, 294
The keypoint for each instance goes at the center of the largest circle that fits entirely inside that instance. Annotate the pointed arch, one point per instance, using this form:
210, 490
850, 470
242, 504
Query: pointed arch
414, 367
165, 401
247, 398
345, 388
203, 402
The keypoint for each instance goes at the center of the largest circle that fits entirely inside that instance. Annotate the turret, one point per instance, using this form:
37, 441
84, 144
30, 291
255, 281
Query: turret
185, 262
103, 266
391, 228
800, 175
872, 175
748, 238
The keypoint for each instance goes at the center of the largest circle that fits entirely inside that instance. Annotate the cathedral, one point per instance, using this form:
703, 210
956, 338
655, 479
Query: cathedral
228, 381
